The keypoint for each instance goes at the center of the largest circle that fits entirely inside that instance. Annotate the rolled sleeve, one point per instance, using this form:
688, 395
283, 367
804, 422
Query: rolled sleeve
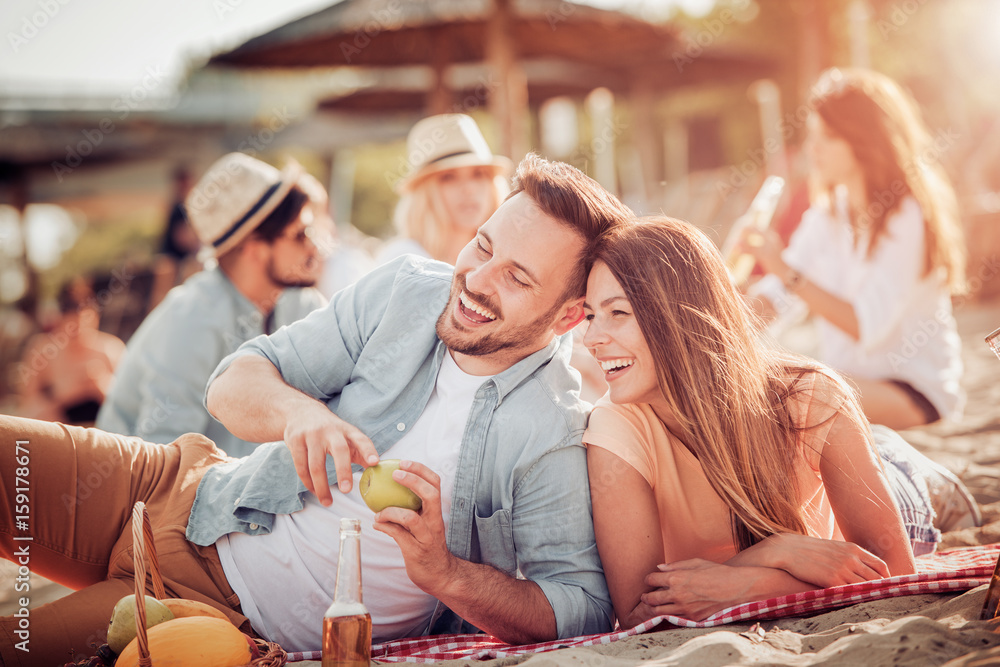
555, 544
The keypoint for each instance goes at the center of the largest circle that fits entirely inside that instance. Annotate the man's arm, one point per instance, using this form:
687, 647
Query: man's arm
514, 610
252, 400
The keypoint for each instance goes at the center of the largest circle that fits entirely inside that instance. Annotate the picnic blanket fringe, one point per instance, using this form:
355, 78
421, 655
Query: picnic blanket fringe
949, 571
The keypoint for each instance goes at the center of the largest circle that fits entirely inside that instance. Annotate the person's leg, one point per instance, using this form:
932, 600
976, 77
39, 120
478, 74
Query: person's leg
930, 497
83, 485
886, 403
909, 489
66, 630
65, 496
188, 571
63, 502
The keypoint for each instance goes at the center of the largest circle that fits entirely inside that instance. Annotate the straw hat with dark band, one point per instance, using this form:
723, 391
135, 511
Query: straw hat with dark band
447, 141
234, 196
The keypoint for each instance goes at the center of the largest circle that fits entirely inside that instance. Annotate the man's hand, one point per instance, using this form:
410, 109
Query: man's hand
317, 432
822, 563
420, 535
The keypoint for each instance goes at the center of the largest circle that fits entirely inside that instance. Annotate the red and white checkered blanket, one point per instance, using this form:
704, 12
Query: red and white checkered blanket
944, 572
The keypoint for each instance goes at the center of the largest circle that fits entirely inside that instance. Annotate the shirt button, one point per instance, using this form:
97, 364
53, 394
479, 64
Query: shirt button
254, 526
236, 503
400, 426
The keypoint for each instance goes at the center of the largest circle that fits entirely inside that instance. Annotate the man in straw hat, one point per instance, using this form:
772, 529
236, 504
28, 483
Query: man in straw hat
463, 373
256, 222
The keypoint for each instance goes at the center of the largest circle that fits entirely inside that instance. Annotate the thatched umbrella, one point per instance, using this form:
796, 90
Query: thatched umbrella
615, 50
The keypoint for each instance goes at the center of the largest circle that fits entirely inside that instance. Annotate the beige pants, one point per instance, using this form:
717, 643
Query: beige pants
76, 487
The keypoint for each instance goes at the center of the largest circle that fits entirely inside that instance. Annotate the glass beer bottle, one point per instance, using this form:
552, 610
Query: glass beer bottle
758, 219
347, 625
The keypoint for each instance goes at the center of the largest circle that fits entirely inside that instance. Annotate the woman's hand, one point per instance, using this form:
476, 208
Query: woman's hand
816, 561
695, 589
766, 247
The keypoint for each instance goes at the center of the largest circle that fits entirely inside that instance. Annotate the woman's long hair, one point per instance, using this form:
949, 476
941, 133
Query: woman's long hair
882, 125
727, 391
422, 216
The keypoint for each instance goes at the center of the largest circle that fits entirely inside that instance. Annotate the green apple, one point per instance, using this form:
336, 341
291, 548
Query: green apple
122, 629
379, 490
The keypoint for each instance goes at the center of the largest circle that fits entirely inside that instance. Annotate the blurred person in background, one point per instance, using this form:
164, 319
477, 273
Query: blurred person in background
455, 184
177, 258
878, 254
258, 222
67, 372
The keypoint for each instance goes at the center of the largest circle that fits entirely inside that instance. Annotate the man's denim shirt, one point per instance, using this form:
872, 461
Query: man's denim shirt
521, 499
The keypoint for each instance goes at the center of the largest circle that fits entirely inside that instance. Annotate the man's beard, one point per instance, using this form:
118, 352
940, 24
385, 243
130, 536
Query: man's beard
287, 283
458, 339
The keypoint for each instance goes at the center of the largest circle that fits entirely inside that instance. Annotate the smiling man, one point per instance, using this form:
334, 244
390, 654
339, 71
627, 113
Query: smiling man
462, 373
465, 376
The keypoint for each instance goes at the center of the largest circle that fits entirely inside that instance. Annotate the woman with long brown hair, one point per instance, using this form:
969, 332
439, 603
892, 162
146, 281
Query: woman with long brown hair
723, 471
879, 253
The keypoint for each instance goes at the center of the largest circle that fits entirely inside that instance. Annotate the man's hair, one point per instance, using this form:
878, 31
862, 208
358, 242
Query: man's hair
283, 215
573, 198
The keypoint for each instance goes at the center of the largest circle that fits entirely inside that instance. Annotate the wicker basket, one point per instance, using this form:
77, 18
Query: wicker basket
272, 655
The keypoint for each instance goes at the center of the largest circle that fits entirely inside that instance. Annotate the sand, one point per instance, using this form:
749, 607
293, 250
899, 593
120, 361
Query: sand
935, 629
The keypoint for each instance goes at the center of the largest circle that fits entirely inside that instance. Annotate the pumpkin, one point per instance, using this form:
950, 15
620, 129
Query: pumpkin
195, 640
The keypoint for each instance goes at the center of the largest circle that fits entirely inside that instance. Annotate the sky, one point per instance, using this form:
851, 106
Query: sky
105, 48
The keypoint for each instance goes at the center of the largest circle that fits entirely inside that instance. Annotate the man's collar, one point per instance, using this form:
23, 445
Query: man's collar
508, 380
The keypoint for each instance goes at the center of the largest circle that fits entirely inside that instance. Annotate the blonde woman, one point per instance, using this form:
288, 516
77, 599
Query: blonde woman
454, 185
879, 254
722, 471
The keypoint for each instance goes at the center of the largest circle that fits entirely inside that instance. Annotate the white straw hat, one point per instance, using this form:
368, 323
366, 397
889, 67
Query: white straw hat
234, 196
447, 141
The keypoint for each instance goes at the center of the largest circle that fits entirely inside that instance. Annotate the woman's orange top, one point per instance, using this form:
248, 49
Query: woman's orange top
694, 520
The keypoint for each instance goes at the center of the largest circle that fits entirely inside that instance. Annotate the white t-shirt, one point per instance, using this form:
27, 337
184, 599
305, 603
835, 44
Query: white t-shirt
285, 579
907, 331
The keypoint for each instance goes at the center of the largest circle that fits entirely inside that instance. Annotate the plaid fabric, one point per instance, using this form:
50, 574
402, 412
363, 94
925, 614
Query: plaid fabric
944, 572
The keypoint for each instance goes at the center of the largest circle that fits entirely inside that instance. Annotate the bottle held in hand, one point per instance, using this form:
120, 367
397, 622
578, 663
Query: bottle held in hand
756, 221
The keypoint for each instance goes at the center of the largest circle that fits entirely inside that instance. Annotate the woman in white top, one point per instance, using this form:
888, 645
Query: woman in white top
454, 184
878, 255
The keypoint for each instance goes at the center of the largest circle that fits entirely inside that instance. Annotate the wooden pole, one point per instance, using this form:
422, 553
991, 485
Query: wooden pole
814, 40
508, 102
439, 97
859, 16
647, 139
